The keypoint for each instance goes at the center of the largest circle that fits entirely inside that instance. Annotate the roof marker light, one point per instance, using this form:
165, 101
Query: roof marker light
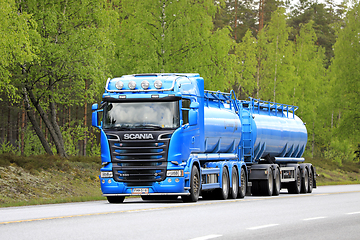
157, 84
119, 85
145, 84
132, 85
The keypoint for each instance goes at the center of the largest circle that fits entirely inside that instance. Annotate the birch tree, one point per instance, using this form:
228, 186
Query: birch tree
72, 49
174, 36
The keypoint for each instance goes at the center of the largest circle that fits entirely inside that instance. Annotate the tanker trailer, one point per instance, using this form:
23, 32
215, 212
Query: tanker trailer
273, 142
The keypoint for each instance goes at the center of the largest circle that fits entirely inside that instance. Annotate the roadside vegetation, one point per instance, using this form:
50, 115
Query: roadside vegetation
47, 179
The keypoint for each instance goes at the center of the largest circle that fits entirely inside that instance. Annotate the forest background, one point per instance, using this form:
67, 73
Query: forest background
55, 57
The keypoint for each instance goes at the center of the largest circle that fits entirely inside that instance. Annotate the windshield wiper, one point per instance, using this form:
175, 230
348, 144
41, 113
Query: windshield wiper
148, 126
120, 128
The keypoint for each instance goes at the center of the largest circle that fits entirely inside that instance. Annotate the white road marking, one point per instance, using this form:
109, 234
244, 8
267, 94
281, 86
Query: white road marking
351, 213
207, 237
314, 218
263, 226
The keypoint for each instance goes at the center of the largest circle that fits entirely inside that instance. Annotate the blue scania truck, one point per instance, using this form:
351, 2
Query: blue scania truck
164, 136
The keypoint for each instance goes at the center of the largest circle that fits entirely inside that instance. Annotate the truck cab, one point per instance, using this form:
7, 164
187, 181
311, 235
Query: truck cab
151, 125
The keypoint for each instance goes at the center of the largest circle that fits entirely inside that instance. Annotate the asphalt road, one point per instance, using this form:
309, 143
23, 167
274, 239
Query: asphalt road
330, 212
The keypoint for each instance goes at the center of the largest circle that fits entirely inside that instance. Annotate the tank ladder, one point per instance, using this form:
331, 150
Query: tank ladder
247, 142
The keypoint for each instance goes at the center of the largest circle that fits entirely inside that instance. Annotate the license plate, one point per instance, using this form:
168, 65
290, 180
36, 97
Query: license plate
139, 191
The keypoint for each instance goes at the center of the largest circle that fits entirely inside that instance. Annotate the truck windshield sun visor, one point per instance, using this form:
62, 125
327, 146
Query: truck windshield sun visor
141, 115
163, 99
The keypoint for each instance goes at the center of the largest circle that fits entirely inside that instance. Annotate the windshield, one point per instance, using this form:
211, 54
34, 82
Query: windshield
141, 115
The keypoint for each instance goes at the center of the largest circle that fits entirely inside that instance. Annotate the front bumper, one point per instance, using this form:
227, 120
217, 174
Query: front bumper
170, 186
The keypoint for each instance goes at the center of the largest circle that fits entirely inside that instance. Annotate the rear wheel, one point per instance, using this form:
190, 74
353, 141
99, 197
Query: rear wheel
115, 199
194, 186
305, 182
267, 186
295, 187
311, 181
242, 188
277, 183
223, 192
234, 183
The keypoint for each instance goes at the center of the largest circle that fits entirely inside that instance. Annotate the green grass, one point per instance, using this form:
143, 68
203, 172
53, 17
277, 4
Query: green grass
50, 179
331, 173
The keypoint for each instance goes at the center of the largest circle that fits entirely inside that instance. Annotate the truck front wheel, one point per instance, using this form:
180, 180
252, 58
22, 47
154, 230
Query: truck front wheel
115, 199
194, 186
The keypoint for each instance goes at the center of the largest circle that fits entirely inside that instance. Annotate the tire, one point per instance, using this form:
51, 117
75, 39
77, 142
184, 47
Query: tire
295, 187
225, 186
223, 192
194, 186
305, 182
267, 186
311, 181
242, 188
277, 183
234, 183
115, 199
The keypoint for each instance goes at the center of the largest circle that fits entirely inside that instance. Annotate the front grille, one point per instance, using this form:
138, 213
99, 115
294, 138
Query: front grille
139, 160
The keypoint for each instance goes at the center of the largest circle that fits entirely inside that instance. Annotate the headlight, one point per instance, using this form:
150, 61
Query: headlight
132, 85
145, 84
106, 174
157, 84
119, 85
175, 173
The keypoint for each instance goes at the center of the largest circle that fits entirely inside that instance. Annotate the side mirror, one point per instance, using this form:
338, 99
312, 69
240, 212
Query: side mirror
95, 115
192, 117
95, 106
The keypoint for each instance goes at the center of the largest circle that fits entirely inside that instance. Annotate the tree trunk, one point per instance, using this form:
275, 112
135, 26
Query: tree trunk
54, 122
85, 120
9, 135
23, 130
36, 126
59, 147
276, 61
261, 14
313, 140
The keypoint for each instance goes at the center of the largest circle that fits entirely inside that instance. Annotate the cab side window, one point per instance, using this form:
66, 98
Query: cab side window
185, 110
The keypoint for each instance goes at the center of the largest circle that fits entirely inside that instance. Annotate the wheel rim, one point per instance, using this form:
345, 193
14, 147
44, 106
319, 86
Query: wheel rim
270, 181
278, 181
298, 179
225, 183
235, 183
306, 180
310, 180
242, 187
196, 183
